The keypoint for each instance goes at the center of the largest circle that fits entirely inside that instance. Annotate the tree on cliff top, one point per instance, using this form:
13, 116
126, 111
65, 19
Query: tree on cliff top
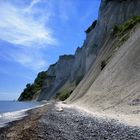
31, 89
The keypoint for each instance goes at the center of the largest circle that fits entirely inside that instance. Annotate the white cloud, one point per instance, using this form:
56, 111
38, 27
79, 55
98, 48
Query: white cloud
31, 58
33, 2
62, 9
18, 26
28, 28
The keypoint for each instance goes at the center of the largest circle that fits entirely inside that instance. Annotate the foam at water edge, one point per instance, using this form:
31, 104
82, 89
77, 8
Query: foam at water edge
7, 117
11, 116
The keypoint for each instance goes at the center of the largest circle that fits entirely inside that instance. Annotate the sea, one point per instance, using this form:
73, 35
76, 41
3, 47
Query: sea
14, 110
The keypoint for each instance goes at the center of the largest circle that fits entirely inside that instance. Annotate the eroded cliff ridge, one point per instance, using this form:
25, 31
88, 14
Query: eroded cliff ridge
104, 74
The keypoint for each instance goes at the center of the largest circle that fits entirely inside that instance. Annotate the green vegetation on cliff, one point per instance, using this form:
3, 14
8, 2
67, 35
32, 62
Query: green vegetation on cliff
113, 0
91, 27
63, 95
121, 29
32, 89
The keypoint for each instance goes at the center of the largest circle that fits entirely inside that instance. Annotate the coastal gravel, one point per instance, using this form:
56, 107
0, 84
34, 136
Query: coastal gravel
53, 123
71, 124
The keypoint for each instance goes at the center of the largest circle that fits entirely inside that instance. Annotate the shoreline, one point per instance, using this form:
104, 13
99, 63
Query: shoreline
49, 122
8, 117
14, 129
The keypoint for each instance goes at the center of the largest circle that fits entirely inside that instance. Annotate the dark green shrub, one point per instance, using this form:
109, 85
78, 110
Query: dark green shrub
116, 29
31, 89
91, 27
121, 29
63, 96
106, 1
103, 64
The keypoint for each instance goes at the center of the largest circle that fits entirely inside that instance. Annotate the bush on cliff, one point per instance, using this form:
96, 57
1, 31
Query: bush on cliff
121, 29
103, 64
63, 95
106, 1
32, 89
91, 27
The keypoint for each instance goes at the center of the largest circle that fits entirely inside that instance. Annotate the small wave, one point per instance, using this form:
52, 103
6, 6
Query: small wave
7, 117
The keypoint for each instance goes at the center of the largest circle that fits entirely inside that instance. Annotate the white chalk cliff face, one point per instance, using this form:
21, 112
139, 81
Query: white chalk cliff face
112, 12
70, 70
58, 75
116, 87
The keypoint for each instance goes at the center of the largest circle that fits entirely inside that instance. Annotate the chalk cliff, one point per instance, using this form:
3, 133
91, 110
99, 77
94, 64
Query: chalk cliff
104, 74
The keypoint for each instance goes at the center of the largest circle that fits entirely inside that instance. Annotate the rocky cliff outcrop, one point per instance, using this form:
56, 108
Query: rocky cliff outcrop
104, 73
111, 13
58, 75
115, 88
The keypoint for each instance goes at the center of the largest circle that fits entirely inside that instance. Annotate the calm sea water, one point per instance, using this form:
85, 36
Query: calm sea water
12, 110
10, 106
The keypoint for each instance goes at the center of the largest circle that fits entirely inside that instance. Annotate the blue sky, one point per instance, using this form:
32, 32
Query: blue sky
33, 33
